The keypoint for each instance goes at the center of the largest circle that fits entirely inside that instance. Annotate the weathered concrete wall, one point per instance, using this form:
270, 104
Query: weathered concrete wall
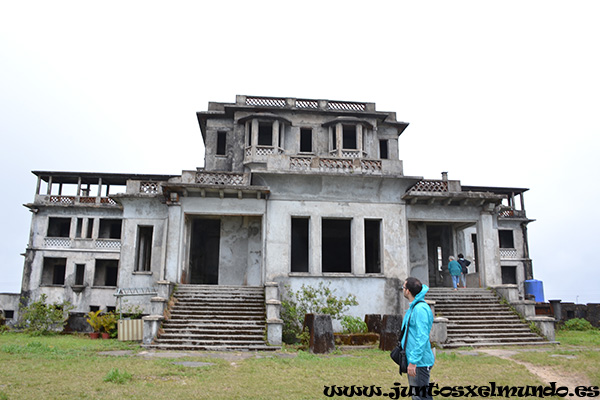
419, 264
240, 251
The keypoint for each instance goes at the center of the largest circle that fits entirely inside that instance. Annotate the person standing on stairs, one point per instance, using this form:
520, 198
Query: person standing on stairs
455, 270
465, 270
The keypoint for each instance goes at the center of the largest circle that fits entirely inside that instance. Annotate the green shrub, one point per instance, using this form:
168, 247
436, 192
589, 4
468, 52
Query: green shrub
39, 318
116, 376
353, 325
310, 300
577, 324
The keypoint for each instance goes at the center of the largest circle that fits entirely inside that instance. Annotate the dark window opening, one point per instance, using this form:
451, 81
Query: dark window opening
59, 227
9, 314
90, 228
144, 248
221, 143
53, 272
110, 229
336, 245
372, 246
349, 137
106, 272
334, 138
79, 274
383, 149
94, 308
300, 244
306, 140
506, 239
111, 309
265, 134
509, 275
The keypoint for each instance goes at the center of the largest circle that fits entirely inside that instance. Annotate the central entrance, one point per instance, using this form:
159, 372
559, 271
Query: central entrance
204, 251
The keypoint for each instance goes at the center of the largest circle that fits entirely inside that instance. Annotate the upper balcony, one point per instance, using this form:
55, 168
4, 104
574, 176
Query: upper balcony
305, 104
86, 189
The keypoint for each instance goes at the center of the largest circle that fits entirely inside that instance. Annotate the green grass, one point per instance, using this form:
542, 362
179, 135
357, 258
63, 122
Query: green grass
70, 367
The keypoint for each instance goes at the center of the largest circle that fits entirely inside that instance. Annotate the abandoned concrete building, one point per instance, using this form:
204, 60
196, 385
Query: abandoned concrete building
293, 191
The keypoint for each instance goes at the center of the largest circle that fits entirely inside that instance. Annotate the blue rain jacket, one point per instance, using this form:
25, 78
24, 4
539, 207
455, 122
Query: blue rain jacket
417, 345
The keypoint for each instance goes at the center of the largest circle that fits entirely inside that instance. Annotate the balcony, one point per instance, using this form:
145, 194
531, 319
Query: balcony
81, 244
61, 200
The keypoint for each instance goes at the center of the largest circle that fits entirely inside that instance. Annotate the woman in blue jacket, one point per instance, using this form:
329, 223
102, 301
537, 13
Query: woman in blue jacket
416, 341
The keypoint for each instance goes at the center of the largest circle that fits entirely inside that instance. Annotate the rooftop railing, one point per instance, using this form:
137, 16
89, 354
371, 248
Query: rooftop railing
310, 104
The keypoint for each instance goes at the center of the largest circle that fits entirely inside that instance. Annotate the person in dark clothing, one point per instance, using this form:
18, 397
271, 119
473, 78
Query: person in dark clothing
465, 270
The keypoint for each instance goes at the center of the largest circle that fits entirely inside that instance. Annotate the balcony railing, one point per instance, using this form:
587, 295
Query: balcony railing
72, 200
511, 213
430, 186
82, 244
222, 178
341, 165
314, 104
508, 253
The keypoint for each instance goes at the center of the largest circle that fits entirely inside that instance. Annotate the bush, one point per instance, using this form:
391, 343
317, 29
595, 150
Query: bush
577, 324
353, 325
310, 300
109, 323
39, 318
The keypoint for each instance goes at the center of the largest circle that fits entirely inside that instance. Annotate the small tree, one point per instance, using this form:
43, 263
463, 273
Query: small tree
39, 318
310, 300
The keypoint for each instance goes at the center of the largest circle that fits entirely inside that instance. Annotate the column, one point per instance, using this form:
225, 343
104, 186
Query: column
489, 251
339, 138
315, 244
358, 246
275, 136
359, 139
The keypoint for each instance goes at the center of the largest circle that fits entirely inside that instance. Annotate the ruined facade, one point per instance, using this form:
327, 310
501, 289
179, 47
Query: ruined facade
293, 191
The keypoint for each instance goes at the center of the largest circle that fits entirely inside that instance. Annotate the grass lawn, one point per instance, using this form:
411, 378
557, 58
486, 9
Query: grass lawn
70, 367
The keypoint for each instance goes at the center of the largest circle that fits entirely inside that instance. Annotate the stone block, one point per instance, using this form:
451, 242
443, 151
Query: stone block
373, 322
320, 328
390, 330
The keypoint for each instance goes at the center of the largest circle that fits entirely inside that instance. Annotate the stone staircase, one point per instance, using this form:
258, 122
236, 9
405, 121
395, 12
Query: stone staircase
477, 318
212, 317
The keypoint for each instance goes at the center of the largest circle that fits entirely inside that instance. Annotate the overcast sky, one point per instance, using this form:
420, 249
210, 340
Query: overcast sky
496, 93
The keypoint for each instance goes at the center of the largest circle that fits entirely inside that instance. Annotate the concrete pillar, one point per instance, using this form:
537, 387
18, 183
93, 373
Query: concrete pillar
172, 266
275, 134
358, 244
359, 139
390, 330
320, 328
315, 238
254, 136
338, 138
489, 251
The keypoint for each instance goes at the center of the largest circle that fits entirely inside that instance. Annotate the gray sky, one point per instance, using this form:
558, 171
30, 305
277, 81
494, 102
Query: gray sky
496, 93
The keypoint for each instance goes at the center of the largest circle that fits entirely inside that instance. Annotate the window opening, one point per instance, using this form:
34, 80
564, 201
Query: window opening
249, 136
265, 134
90, 227
59, 227
306, 140
53, 272
221, 143
372, 246
79, 229
509, 275
79, 274
383, 149
144, 248
474, 241
110, 229
9, 314
349, 137
333, 138
94, 308
300, 242
506, 238
106, 272
440, 258
336, 245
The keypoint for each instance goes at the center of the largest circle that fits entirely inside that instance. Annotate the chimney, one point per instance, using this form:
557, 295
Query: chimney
444, 176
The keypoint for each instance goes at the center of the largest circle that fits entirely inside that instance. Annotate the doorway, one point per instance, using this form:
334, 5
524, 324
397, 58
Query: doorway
439, 248
204, 251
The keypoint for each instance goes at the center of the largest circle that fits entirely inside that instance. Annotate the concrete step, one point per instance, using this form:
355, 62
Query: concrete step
231, 347
455, 345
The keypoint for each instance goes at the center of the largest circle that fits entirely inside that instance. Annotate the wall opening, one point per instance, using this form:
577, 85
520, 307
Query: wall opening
475, 249
336, 245
509, 274
383, 149
221, 143
59, 227
90, 228
300, 229
204, 251
79, 274
53, 271
372, 246
506, 239
349, 137
106, 272
306, 140
143, 249
110, 228
265, 134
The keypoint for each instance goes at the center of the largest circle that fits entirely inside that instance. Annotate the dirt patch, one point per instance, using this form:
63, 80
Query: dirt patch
546, 374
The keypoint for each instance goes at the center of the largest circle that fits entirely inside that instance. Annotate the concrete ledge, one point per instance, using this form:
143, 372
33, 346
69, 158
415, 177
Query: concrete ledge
525, 307
274, 331
439, 330
545, 325
509, 292
151, 326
